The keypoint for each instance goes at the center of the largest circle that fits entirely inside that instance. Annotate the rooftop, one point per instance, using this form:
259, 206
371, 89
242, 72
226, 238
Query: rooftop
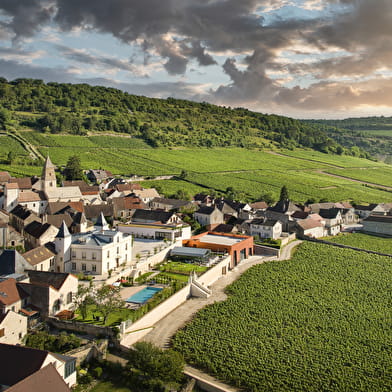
220, 239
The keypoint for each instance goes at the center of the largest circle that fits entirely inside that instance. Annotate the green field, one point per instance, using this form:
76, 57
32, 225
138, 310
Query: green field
377, 132
364, 241
250, 172
319, 322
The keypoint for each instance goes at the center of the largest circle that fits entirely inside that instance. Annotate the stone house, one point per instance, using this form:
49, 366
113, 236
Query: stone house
41, 259
37, 234
310, 228
208, 216
13, 327
265, 228
333, 220
20, 217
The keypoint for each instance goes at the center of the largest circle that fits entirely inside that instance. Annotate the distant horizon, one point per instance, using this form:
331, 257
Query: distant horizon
305, 59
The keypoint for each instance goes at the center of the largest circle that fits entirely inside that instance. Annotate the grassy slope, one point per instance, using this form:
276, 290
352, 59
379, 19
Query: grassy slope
320, 322
364, 241
251, 172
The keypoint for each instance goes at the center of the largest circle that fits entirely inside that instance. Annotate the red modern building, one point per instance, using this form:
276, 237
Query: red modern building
238, 246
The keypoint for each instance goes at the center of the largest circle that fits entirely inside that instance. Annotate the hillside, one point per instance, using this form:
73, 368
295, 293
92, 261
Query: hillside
78, 109
372, 134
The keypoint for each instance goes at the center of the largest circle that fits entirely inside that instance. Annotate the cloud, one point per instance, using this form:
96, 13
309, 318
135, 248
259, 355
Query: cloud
111, 63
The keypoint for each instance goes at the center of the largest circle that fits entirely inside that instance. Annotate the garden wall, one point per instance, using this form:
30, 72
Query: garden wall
141, 327
89, 351
214, 273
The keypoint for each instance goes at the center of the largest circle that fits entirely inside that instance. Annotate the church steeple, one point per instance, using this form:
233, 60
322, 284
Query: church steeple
48, 177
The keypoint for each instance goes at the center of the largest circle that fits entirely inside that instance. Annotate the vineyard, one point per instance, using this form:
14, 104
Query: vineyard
319, 322
364, 241
251, 173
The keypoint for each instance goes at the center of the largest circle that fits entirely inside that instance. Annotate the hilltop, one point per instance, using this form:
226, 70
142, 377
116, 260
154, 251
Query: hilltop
78, 109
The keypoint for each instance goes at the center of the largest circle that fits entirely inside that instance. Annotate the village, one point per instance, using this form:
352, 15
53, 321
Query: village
110, 258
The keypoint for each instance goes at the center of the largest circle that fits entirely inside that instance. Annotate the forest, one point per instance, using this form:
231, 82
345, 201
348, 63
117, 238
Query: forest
76, 109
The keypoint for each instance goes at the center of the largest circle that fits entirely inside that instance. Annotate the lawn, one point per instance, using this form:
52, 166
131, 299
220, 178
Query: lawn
107, 386
182, 268
318, 322
114, 318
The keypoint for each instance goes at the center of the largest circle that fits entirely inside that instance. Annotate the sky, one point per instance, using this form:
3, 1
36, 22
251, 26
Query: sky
298, 58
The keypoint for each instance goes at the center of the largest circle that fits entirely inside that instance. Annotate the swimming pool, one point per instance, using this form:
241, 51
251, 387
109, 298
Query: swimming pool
143, 296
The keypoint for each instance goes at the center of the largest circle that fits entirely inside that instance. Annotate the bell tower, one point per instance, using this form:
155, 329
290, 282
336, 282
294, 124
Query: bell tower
48, 177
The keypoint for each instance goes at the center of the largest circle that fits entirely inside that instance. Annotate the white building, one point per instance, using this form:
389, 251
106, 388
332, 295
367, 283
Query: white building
171, 232
95, 252
266, 228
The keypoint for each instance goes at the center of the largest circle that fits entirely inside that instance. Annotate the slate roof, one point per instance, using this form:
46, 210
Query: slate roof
284, 206
379, 218
58, 219
264, 222
93, 211
330, 213
370, 207
151, 216
300, 215
17, 363
11, 262
206, 210
44, 278
36, 229
22, 212
173, 203
10, 293
46, 379
38, 255
223, 228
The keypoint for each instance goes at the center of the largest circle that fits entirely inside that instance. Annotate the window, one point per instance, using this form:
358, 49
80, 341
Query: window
20, 335
94, 268
56, 306
13, 308
2, 333
69, 297
126, 246
42, 267
84, 267
73, 254
52, 262
83, 255
118, 250
69, 368
108, 253
73, 266
93, 256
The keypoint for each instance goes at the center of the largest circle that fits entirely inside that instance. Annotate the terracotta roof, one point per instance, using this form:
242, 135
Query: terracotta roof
54, 207
308, 224
12, 186
28, 196
57, 220
23, 183
38, 255
259, 205
4, 176
10, 293
128, 203
46, 379
17, 363
44, 278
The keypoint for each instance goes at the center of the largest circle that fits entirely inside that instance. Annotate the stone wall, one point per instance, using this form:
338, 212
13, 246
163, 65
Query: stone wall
89, 329
261, 250
88, 351
214, 273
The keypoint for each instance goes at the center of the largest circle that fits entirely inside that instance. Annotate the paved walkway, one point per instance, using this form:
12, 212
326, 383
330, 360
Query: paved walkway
169, 325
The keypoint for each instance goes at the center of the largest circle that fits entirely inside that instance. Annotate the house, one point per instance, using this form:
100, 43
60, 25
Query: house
46, 379
333, 220
20, 217
17, 363
9, 237
146, 195
203, 200
171, 232
93, 212
378, 224
310, 228
265, 228
160, 203
41, 259
50, 292
208, 216
4, 177
37, 234
12, 296
97, 176
13, 327
224, 228
12, 262
259, 206
237, 246
154, 216
123, 207
95, 252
